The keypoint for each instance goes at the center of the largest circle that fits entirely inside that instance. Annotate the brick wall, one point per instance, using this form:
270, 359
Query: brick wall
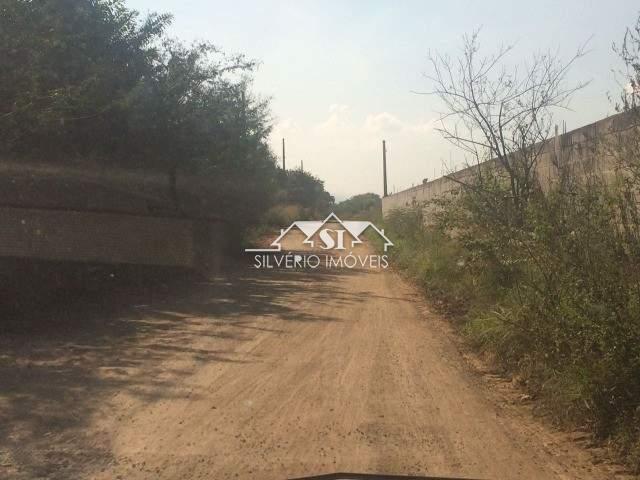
96, 237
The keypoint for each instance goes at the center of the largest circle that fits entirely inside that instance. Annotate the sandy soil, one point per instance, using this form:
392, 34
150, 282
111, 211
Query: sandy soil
264, 375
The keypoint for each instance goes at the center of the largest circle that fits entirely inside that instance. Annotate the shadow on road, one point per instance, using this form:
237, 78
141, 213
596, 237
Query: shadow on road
63, 358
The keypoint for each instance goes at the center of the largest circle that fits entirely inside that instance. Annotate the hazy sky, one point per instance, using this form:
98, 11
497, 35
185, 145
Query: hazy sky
340, 73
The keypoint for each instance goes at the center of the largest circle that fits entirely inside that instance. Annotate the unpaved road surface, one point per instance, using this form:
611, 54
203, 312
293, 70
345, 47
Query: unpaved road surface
266, 375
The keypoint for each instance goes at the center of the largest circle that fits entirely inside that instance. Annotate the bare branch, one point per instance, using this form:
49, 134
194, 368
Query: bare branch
491, 111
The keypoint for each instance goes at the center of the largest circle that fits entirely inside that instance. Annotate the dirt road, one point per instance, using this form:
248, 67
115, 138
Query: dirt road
263, 375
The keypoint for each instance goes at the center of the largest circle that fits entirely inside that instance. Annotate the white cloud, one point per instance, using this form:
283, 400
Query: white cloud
284, 128
386, 122
339, 119
383, 122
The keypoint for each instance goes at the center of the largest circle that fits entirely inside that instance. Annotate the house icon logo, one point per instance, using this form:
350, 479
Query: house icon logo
329, 234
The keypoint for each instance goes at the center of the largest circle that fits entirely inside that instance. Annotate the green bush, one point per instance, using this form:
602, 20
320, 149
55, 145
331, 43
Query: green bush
366, 206
93, 84
554, 298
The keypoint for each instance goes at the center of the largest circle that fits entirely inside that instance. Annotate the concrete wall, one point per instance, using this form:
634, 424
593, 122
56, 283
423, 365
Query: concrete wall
109, 216
581, 149
108, 238
108, 190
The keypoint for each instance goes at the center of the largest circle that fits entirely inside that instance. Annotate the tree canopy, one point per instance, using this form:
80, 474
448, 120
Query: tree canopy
366, 206
306, 190
92, 81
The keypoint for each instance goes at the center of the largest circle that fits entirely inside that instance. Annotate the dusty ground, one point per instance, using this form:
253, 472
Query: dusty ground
264, 375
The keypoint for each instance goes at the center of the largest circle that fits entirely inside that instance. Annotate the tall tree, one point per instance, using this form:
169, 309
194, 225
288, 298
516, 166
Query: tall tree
92, 80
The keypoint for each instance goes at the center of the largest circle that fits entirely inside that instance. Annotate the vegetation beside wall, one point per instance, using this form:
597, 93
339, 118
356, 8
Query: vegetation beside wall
91, 83
556, 300
366, 206
300, 196
547, 283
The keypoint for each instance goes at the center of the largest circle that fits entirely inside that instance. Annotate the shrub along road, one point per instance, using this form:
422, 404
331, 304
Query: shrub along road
262, 374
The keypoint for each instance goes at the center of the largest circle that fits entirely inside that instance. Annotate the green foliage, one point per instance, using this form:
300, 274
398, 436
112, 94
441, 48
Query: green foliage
547, 282
89, 82
366, 206
551, 288
70, 67
301, 195
436, 260
556, 298
281, 216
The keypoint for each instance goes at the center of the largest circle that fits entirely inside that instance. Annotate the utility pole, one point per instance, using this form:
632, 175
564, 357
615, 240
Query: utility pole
302, 165
384, 166
284, 158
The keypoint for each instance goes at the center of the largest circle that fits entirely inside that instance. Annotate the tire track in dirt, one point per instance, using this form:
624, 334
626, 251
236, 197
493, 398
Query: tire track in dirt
276, 374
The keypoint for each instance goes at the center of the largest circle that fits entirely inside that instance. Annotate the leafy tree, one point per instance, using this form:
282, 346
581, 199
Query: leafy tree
89, 81
70, 69
366, 206
306, 190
